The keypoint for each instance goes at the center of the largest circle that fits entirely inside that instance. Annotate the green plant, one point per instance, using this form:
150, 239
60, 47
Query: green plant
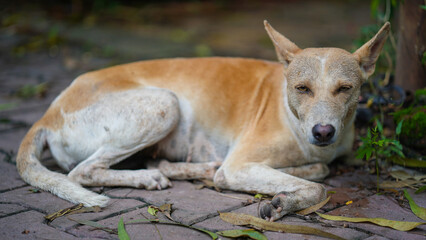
377, 146
31, 90
414, 117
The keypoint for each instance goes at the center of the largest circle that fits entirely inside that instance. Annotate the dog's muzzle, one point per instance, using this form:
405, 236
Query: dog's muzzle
323, 134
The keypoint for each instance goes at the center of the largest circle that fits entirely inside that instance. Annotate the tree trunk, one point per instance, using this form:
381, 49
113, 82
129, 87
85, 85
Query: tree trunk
410, 72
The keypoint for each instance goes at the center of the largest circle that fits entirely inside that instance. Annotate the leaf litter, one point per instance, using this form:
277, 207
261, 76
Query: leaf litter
314, 208
240, 219
398, 225
79, 208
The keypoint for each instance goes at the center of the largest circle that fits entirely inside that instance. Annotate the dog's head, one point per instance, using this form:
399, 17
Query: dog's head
323, 84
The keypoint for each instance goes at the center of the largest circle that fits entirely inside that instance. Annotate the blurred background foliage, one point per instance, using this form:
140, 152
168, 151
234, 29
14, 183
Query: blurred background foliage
134, 30
85, 35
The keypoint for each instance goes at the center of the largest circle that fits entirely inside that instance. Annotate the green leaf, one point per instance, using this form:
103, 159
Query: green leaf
379, 126
34, 190
368, 154
152, 210
122, 234
399, 128
253, 234
424, 53
396, 150
374, 8
241, 219
423, 7
260, 196
361, 152
398, 225
421, 189
419, 211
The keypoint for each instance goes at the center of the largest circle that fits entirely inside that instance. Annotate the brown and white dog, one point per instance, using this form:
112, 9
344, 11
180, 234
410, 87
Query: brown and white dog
270, 126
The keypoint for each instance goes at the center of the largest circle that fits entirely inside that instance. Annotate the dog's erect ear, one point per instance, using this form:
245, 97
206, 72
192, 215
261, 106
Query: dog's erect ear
367, 54
284, 48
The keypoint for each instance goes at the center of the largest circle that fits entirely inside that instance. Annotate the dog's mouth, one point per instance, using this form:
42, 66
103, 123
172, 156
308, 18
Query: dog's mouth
323, 144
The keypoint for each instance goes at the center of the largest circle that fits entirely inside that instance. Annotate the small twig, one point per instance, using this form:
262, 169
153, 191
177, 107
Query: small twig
392, 40
155, 225
234, 197
389, 70
387, 13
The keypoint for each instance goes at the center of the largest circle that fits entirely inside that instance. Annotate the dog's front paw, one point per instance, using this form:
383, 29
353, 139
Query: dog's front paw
153, 179
281, 204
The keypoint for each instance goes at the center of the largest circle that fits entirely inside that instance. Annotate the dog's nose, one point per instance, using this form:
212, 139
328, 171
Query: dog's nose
323, 133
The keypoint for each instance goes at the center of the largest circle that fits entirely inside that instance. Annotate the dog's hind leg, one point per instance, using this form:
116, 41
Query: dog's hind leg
122, 124
95, 171
186, 171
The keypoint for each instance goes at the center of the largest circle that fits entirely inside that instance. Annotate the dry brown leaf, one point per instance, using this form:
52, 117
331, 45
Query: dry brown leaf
210, 184
399, 184
313, 208
94, 209
402, 175
166, 209
63, 212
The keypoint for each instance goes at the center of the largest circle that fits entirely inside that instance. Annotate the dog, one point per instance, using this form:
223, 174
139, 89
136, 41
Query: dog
250, 125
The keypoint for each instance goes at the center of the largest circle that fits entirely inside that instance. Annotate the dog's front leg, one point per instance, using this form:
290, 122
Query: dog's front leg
312, 172
291, 193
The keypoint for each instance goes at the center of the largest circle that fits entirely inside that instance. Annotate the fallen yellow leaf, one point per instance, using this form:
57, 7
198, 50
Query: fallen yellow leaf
349, 202
398, 225
416, 209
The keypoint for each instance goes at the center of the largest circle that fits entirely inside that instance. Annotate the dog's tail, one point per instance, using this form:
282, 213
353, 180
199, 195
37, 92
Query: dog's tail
35, 174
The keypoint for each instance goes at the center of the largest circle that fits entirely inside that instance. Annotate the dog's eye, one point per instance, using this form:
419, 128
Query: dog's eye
344, 88
303, 89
